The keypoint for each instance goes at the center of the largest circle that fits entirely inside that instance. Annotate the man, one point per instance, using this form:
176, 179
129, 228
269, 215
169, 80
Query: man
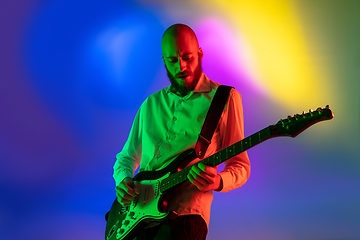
167, 123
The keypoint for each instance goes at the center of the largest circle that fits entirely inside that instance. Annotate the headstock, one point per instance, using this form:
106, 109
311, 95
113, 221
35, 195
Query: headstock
294, 125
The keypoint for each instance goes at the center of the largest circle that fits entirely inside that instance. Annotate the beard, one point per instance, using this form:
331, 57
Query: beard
185, 89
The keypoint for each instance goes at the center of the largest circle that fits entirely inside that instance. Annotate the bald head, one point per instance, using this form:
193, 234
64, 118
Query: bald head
178, 32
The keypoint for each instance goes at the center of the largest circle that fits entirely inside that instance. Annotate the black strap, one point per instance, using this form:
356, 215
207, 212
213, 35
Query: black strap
212, 119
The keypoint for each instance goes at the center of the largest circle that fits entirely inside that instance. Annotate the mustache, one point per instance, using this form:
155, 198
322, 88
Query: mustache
182, 74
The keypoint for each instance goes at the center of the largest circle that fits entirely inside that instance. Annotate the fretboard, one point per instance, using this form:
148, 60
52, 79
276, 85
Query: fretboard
221, 156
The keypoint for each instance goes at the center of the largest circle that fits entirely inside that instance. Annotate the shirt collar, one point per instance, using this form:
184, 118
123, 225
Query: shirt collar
203, 84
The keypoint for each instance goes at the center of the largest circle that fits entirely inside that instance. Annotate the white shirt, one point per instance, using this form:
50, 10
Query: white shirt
166, 124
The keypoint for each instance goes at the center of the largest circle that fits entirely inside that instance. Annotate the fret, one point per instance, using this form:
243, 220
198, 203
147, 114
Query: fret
222, 156
206, 161
259, 137
218, 158
228, 152
242, 146
246, 143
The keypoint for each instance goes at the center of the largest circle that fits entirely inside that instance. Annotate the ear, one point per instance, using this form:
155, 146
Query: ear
201, 54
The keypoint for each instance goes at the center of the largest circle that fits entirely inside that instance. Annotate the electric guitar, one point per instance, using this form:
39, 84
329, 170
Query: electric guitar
156, 187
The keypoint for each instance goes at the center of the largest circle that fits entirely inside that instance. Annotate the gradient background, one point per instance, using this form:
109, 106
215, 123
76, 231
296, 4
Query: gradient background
74, 72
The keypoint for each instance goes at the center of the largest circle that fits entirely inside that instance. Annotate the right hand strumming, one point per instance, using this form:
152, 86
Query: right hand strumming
126, 191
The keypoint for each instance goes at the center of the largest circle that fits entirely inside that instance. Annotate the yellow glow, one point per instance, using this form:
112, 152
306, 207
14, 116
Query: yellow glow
281, 57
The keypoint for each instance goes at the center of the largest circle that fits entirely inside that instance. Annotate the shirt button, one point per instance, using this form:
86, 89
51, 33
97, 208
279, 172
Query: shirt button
167, 137
174, 119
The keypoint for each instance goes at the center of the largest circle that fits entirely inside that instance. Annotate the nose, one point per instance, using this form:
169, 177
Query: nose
181, 65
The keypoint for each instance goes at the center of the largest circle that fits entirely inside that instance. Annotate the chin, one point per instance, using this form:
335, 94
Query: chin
186, 82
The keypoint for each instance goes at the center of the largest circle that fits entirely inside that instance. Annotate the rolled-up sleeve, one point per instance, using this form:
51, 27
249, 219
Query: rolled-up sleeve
237, 168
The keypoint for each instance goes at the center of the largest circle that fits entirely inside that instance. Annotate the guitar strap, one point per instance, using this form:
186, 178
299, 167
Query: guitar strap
212, 119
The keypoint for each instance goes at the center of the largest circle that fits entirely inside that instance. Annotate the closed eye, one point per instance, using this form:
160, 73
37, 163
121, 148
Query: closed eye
172, 60
187, 57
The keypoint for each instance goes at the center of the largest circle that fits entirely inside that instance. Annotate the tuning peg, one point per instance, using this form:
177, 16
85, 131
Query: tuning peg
327, 107
310, 110
281, 122
303, 113
318, 109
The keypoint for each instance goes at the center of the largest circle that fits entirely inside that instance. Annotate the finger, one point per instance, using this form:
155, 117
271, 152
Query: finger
131, 192
120, 200
197, 184
127, 189
196, 169
123, 203
197, 180
204, 170
123, 200
122, 194
192, 180
198, 173
211, 171
128, 197
136, 187
192, 175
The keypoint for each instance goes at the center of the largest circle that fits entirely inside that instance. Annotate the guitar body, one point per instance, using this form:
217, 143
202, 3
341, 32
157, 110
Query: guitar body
149, 208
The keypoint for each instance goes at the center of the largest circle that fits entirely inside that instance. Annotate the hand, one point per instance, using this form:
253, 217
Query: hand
205, 178
126, 191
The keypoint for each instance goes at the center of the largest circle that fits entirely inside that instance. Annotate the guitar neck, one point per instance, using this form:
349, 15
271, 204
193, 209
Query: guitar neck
221, 156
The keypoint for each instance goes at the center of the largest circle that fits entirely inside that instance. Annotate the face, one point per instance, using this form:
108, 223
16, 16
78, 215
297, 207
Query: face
181, 85
182, 59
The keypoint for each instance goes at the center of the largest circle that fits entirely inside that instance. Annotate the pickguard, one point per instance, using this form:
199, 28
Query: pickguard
143, 210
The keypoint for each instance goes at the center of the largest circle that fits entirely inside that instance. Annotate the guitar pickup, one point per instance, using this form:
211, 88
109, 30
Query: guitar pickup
147, 193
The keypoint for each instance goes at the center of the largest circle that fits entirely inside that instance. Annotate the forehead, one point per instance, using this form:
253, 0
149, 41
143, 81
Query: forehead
183, 43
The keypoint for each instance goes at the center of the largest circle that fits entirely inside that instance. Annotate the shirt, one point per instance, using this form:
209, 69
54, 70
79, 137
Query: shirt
167, 124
